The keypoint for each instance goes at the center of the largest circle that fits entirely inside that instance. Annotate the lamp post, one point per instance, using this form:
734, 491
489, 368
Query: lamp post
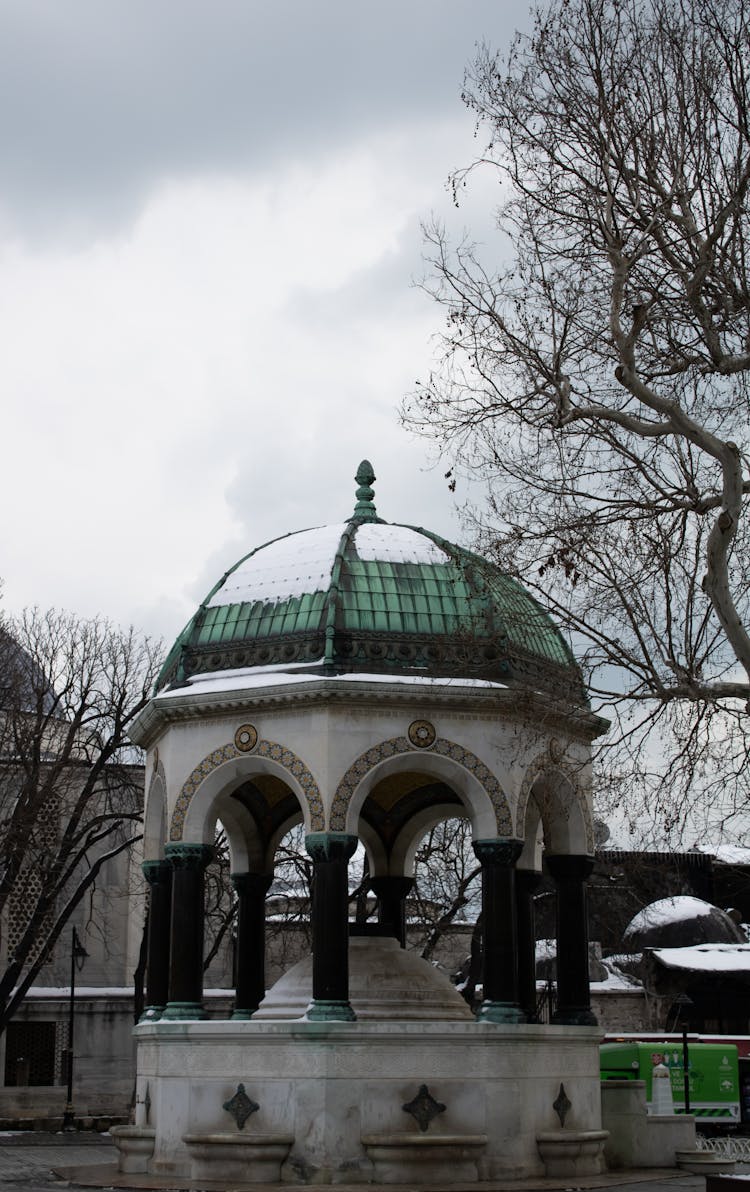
77, 956
683, 1002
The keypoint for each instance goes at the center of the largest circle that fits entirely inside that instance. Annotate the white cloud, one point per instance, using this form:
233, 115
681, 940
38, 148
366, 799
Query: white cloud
210, 377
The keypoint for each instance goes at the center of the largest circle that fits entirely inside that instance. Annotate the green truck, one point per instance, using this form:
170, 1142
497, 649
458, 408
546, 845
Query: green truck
713, 1075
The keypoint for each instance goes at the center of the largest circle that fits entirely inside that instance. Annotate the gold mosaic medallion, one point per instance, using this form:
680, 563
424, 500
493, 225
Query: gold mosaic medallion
246, 738
422, 734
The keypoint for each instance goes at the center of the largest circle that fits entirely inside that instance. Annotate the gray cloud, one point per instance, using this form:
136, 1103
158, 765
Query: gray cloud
99, 102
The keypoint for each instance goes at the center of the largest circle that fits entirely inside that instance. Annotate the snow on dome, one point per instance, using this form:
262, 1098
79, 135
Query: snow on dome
669, 910
366, 597
396, 544
293, 566
680, 921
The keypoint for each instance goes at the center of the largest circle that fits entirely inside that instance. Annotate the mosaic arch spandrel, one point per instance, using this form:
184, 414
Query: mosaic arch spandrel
551, 765
286, 758
402, 745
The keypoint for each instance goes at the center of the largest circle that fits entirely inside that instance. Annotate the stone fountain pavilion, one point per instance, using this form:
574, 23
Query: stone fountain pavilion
367, 680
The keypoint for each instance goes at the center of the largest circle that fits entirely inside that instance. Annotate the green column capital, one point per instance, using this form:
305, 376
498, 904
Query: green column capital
156, 871
188, 856
498, 850
330, 846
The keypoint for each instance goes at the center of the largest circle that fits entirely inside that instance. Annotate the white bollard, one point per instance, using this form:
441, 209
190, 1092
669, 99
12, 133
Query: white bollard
662, 1101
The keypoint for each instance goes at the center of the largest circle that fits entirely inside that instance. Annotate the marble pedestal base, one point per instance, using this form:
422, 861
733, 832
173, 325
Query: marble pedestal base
251, 1158
424, 1158
338, 1090
135, 1145
572, 1152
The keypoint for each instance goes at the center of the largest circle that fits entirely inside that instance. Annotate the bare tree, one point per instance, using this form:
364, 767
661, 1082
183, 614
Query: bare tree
447, 888
598, 382
71, 786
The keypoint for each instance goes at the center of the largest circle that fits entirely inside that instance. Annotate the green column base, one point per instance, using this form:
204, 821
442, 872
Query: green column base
152, 1014
242, 1015
503, 1012
179, 1010
320, 1011
575, 1016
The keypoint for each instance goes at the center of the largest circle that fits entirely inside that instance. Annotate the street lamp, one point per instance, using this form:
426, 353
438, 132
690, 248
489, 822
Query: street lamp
77, 956
683, 1003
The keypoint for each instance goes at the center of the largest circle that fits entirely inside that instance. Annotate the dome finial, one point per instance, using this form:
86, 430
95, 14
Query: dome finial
364, 510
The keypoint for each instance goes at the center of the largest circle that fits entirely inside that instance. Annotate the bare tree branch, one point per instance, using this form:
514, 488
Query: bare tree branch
598, 383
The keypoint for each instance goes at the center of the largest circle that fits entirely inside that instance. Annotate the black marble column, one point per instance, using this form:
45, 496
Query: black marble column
250, 974
330, 852
391, 893
498, 858
188, 863
527, 883
158, 874
569, 873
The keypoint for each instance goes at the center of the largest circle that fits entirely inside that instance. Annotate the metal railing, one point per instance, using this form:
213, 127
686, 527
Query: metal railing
546, 1002
726, 1146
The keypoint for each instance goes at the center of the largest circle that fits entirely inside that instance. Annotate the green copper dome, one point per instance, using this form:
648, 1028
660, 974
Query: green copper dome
369, 597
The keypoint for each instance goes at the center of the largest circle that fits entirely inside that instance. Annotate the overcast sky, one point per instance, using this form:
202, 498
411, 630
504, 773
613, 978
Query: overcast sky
209, 227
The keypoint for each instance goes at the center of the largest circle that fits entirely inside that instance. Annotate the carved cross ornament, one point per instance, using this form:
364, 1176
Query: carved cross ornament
423, 1108
240, 1106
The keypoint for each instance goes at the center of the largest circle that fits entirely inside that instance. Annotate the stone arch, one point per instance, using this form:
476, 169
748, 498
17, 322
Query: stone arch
412, 834
155, 814
278, 759
277, 837
245, 849
398, 747
553, 785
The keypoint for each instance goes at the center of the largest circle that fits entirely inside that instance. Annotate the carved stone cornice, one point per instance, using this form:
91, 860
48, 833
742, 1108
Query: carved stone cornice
506, 703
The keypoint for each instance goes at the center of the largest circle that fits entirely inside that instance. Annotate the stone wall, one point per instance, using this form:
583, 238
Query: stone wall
622, 1010
104, 1064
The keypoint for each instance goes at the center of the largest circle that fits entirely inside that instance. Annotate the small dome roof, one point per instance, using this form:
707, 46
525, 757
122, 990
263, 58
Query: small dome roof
367, 596
680, 922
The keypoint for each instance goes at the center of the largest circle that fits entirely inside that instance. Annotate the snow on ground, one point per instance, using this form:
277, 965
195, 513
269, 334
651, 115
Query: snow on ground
61, 991
616, 980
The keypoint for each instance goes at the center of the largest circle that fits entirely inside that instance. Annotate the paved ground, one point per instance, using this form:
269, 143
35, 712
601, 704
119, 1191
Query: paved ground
43, 1163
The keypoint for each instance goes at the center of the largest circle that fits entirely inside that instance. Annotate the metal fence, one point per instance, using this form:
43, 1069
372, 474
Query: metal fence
727, 1146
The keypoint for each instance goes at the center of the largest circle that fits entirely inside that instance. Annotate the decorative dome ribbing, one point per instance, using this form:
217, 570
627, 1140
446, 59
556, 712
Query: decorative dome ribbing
367, 596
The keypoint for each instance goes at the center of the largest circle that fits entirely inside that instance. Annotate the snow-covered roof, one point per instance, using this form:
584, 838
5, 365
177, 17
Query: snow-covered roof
396, 544
706, 958
374, 597
249, 678
731, 854
293, 566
